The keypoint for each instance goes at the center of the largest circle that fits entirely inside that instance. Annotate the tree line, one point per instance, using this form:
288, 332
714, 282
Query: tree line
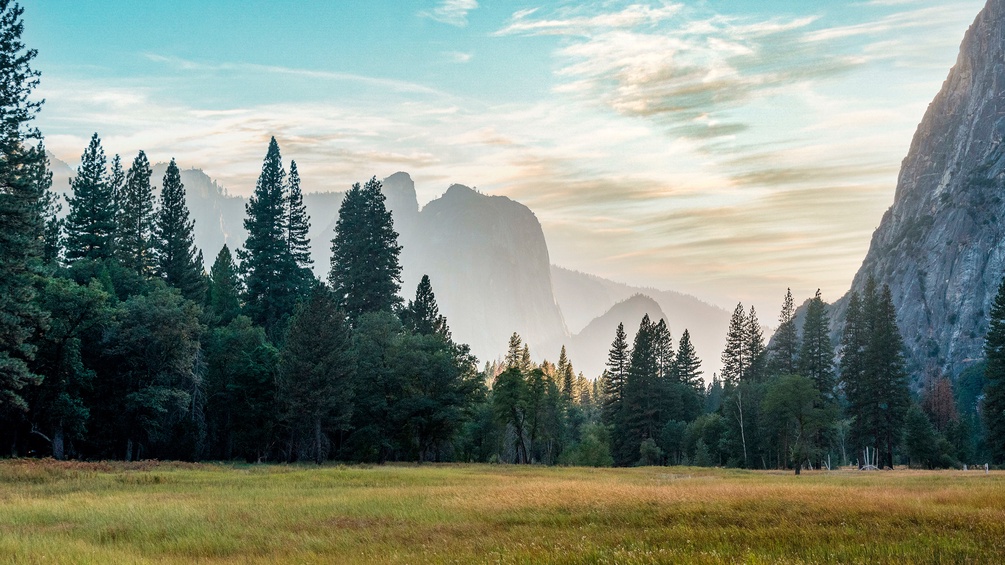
116, 343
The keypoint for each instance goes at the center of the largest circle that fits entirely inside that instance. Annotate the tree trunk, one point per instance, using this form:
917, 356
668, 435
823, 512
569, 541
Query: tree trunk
129, 449
799, 467
58, 452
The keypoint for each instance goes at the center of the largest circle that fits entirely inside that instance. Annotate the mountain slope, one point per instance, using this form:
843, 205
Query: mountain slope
588, 349
940, 246
583, 297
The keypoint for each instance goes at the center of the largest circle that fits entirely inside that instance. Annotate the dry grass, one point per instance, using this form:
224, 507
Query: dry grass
53, 512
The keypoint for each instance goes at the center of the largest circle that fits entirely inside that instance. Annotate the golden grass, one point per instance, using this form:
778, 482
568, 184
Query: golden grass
53, 512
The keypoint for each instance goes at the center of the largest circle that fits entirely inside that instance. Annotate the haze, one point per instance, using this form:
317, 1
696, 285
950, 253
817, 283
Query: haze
723, 149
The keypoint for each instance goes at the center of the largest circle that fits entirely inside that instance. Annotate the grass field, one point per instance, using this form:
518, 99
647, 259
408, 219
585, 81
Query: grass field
53, 512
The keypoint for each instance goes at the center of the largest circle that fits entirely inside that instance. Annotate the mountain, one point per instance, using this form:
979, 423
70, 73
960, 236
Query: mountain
588, 349
488, 261
583, 297
940, 246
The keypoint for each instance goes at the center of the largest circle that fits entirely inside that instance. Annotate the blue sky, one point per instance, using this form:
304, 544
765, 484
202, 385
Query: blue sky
723, 148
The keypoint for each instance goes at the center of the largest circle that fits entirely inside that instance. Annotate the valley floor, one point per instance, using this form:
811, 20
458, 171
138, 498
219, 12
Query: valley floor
53, 512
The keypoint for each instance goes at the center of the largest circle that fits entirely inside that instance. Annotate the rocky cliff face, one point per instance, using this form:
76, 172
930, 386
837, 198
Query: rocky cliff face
488, 261
940, 245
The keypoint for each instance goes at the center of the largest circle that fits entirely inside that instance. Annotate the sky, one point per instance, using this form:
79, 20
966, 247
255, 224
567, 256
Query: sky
722, 148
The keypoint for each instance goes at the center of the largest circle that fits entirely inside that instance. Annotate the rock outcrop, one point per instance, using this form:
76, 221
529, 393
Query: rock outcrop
940, 246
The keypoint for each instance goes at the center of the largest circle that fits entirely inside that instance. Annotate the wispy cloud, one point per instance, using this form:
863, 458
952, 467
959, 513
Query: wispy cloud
459, 57
687, 71
452, 12
390, 84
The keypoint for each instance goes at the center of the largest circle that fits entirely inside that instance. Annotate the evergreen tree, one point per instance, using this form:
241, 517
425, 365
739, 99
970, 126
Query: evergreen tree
298, 226
734, 357
180, 263
993, 406
642, 397
269, 293
116, 182
663, 343
886, 368
365, 273
514, 351
21, 228
422, 315
224, 302
134, 220
816, 356
873, 372
618, 359
566, 375
315, 370
48, 208
90, 224
785, 346
755, 348
687, 365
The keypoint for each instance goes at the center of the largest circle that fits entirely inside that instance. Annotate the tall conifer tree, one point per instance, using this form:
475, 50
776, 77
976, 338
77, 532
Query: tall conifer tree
298, 225
734, 357
566, 375
755, 348
785, 346
269, 298
20, 221
134, 220
180, 262
365, 273
816, 356
687, 365
90, 224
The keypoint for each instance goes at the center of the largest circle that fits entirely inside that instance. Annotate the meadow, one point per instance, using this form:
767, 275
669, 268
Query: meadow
149, 512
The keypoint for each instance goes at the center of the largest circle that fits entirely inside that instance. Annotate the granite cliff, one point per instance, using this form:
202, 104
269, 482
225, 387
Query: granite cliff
940, 246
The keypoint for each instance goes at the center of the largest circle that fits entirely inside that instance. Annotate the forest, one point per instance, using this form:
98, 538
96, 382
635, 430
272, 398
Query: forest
117, 343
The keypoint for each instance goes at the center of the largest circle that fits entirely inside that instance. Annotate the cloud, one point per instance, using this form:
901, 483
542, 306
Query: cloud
256, 69
459, 57
687, 71
452, 12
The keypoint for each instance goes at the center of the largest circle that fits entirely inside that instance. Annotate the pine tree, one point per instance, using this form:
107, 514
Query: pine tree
687, 365
854, 339
755, 348
134, 220
21, 228
90, 224
618, 359
513, 351
116, 182
224, 300
315, 370
49, 209
269, 293
643, 398
663, 343
734, 357
365, 273
993, 407
422, 315
179, 261
785, 346
566, 375
886, 368
298, 226
816, 356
